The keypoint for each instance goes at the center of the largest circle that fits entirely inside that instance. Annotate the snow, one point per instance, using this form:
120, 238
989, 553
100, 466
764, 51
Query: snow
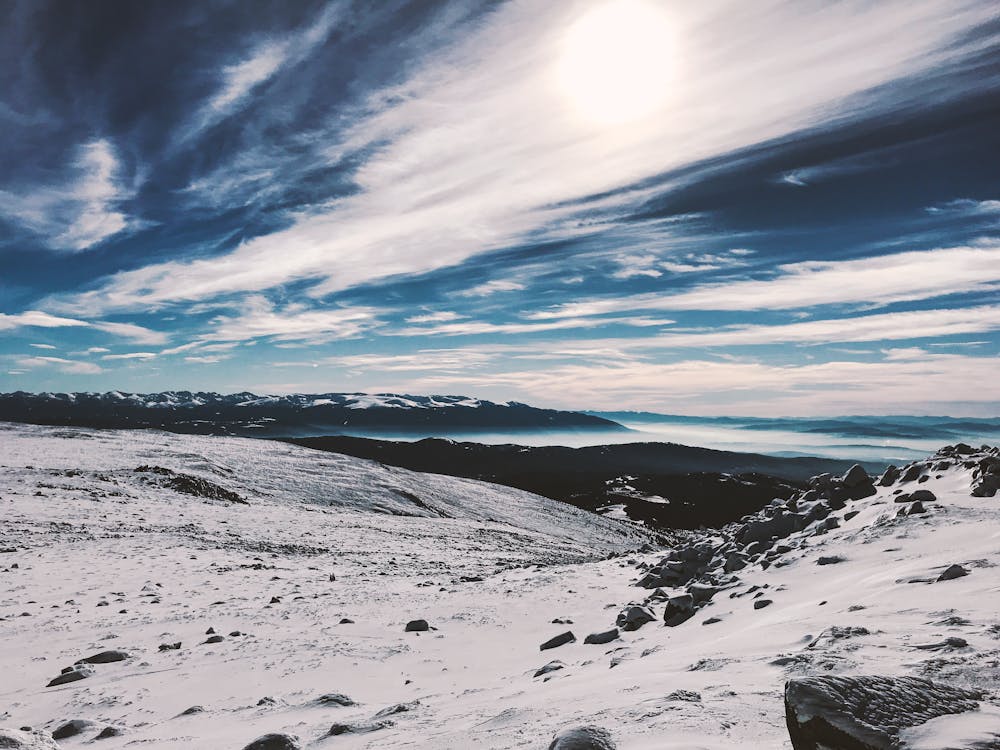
103, 535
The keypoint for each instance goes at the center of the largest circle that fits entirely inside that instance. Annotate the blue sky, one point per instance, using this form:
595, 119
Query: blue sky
773, 208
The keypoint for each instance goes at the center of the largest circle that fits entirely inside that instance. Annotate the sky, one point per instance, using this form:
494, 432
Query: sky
783, 207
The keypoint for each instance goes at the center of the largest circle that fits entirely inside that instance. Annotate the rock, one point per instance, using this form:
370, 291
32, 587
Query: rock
192, 711
346, 621
72, 675
601, 638
71, 728
215, 639
334, 699
923, 496
338, 729
26, 740
952, 572
634, 617
108, 732
170, 646
916, 509
275, 742
679, 609
583, 738
912, 472
761, 603
105, 657
947, 643
397, 708
855, 476
416, 626
712, 621
552, 666
685, 695
831, 560
865, 713
702, 593
851, 514
560, 640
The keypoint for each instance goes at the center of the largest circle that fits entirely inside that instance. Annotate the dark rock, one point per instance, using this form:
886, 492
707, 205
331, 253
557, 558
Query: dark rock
552, 666
560, 640
417, 626
865, 713
947, 643
275, 742
583, 738
679, 609
105, 657
397, 708
170, 646
338, 729
26, 739
952, 572
912, 472
712, 621
601, 638
74, 674
71, 728
702, 593
689, 696
916, 509
761, 603
215, 639
856, 476
923, 496
335, 699
192, 711
346, 621
634, 617
851, 514
831, 560
108, 732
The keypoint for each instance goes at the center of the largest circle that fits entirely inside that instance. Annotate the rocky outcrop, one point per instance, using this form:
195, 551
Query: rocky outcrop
866, 713
583, 738
26, 740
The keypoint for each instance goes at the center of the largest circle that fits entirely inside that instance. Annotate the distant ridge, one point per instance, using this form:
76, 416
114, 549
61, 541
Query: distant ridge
250, 414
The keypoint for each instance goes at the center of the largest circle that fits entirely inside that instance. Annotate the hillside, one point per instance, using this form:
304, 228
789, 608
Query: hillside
209, 622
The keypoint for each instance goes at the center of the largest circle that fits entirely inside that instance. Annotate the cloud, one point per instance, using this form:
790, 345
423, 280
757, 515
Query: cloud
631, 266
430, 147
473, 327
37, 318
42, 346
492, 287
436, 317
130, 355
83, 211
966, 207
68, 366
260, 319
877, 281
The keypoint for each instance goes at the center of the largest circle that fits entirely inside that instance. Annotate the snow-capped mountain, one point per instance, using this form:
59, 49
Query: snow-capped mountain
177, 591
288, 415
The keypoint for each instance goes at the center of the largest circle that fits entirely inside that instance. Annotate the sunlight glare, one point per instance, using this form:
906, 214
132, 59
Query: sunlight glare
615, 62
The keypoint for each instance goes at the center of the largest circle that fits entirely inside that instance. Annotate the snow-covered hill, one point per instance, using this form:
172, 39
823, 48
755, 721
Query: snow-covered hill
288, 415
311, 591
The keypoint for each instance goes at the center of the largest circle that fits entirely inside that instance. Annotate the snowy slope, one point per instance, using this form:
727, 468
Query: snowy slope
171, 565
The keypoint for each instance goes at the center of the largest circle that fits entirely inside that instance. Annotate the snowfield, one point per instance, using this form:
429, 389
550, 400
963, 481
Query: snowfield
309, 566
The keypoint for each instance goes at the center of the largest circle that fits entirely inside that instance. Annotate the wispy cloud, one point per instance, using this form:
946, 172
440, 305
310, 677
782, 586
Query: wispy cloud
259, 318
431, 145
82, 211
68, 366
871, 281
492, 287
130, 355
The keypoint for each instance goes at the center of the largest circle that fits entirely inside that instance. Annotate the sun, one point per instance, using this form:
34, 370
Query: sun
615, 62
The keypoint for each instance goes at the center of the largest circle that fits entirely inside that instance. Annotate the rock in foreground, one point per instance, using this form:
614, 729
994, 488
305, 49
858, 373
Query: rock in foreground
866, 713
583, 738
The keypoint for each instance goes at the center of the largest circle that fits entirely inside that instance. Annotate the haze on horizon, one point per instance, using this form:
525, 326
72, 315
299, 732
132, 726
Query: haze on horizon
713, 208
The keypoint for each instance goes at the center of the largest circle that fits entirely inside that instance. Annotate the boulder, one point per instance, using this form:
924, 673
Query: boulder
889, 476
25, 740
583, 738
78, 672
338, 729
912, 472
275, 742
952, 572
599, 639
105, 657
559, 640
679, 609
855, 477
71, 728
634, 617
865, 713
923, 496
334, 699
552, 666
416, 626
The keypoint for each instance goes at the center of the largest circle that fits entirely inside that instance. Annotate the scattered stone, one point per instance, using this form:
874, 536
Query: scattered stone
552, 666
215, 639
761, 603
335, 699
583, 738
105, 657
192, 710
560, 640
923, 496
634, 617
170, 646
275, 742
338, 729
398, 708
947, 643
889, 476
953, 572
267, 700
73, 674
210, 631
855, 476
712, 621
690, 696
71, 728
346, 621
275, 600
108, 732
25, 739
417, 626
831, 560
679, 609
601, 638
866, 713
